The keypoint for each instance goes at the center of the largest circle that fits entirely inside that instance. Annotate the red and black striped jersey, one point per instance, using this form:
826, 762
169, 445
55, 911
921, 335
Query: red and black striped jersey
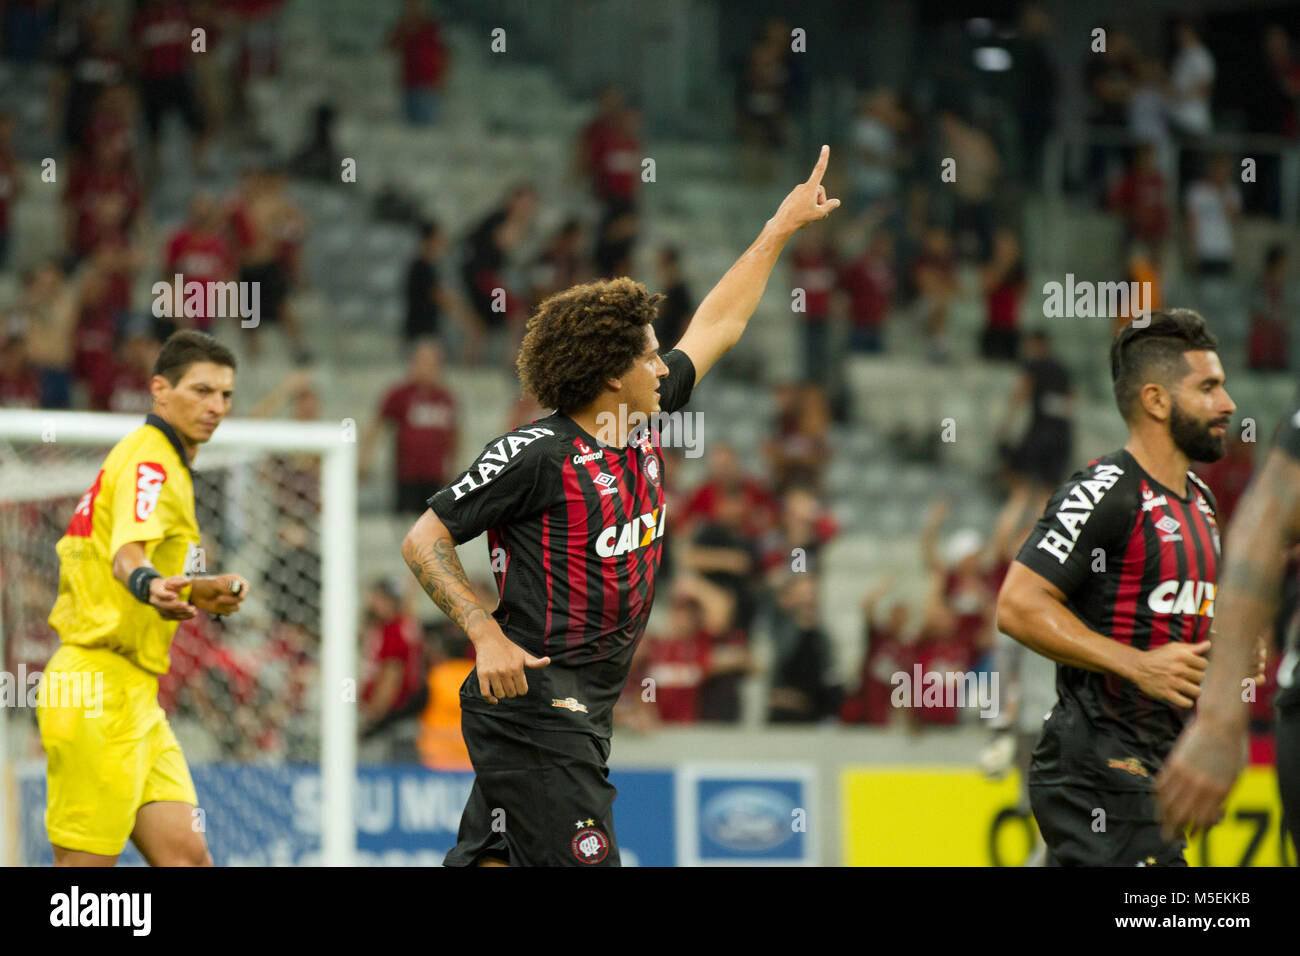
575, 533
1137, 563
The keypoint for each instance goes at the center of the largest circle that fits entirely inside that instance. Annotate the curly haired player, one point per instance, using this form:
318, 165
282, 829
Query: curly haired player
577, 515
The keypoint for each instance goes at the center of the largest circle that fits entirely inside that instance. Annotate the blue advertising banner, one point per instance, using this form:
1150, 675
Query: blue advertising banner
406, 815
742, 814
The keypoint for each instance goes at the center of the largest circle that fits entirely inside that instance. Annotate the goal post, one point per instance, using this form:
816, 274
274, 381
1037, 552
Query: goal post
47, 461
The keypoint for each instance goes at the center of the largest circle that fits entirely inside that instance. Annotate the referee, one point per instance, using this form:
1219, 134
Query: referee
114, 768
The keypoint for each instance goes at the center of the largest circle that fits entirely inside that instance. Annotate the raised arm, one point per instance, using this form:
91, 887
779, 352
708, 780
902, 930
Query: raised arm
722, 317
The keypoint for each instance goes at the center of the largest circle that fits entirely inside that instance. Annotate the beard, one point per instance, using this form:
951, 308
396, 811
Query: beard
1194, 438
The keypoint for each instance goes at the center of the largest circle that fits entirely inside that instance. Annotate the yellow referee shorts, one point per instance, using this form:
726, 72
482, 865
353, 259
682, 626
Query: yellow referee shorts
109, 749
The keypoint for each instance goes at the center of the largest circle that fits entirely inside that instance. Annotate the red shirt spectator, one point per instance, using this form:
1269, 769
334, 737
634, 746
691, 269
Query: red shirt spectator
814, 271
122, 389
395, 640
869, 282
678, 666
424, 57
886, 656
89, 185
761, 506
162, 36
425, 416
1140, 198
613, 156
1002, 305
199, 255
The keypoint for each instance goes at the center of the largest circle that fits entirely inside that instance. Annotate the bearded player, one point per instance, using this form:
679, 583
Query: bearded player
573, 505
113, 765
1209, 755
1116, 583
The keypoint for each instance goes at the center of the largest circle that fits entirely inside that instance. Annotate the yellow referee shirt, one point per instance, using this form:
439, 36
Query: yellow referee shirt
144, 492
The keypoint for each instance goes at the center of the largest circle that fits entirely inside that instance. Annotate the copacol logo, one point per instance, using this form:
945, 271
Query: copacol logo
749, 819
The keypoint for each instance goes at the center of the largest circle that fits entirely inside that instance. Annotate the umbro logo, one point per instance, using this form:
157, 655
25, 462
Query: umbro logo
1167, 524
608, 483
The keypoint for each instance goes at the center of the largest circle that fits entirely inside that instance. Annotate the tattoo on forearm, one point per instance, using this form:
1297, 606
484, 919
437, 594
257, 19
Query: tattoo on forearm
439, 571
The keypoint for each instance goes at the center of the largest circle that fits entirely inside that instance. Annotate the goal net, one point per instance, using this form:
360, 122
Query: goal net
261, 701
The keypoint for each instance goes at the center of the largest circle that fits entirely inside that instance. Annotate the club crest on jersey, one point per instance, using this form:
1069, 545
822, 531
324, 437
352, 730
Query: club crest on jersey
1183, 597
590, 845
1074, 510
494, 459
149, 478
619, 539
652, 469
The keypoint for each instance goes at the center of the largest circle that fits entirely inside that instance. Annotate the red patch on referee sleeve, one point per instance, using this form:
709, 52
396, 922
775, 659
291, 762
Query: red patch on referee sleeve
149, 478
82, 517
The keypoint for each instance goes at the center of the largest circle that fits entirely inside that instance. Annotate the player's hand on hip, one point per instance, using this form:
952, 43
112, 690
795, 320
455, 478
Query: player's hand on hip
1200, 771
1173, 672
219, 593
501, 665
807, 202
165, 598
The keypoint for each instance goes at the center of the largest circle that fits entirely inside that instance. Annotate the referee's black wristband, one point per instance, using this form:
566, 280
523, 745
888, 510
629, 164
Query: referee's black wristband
138, 583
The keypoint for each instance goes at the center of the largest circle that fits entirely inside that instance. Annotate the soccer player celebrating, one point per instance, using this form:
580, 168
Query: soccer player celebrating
114, 767
1209, 754
574, 510
1116, 584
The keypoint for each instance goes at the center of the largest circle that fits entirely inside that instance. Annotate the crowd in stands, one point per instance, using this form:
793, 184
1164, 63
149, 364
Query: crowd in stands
749, 540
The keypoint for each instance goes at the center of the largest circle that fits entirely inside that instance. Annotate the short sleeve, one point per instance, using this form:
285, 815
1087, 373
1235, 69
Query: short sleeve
512, 478
675, 389
1090, 511
137, 495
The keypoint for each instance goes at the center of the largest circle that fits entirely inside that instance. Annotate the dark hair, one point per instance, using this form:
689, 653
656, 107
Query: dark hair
182, 349
583, 336
1154, 352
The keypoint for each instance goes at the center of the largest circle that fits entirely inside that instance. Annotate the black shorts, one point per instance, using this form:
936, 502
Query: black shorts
540, 797
1077, 835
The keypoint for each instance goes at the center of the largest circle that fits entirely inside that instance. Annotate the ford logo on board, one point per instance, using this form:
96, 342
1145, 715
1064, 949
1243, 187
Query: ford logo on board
748, 819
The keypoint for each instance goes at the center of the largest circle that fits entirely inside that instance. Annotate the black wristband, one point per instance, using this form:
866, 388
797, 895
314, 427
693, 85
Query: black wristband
138, 583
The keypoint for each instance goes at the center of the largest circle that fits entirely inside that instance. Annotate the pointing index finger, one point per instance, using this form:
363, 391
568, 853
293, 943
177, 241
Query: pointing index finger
820, 169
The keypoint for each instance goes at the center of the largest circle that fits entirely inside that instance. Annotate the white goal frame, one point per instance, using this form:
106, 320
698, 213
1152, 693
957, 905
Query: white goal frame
338, 605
